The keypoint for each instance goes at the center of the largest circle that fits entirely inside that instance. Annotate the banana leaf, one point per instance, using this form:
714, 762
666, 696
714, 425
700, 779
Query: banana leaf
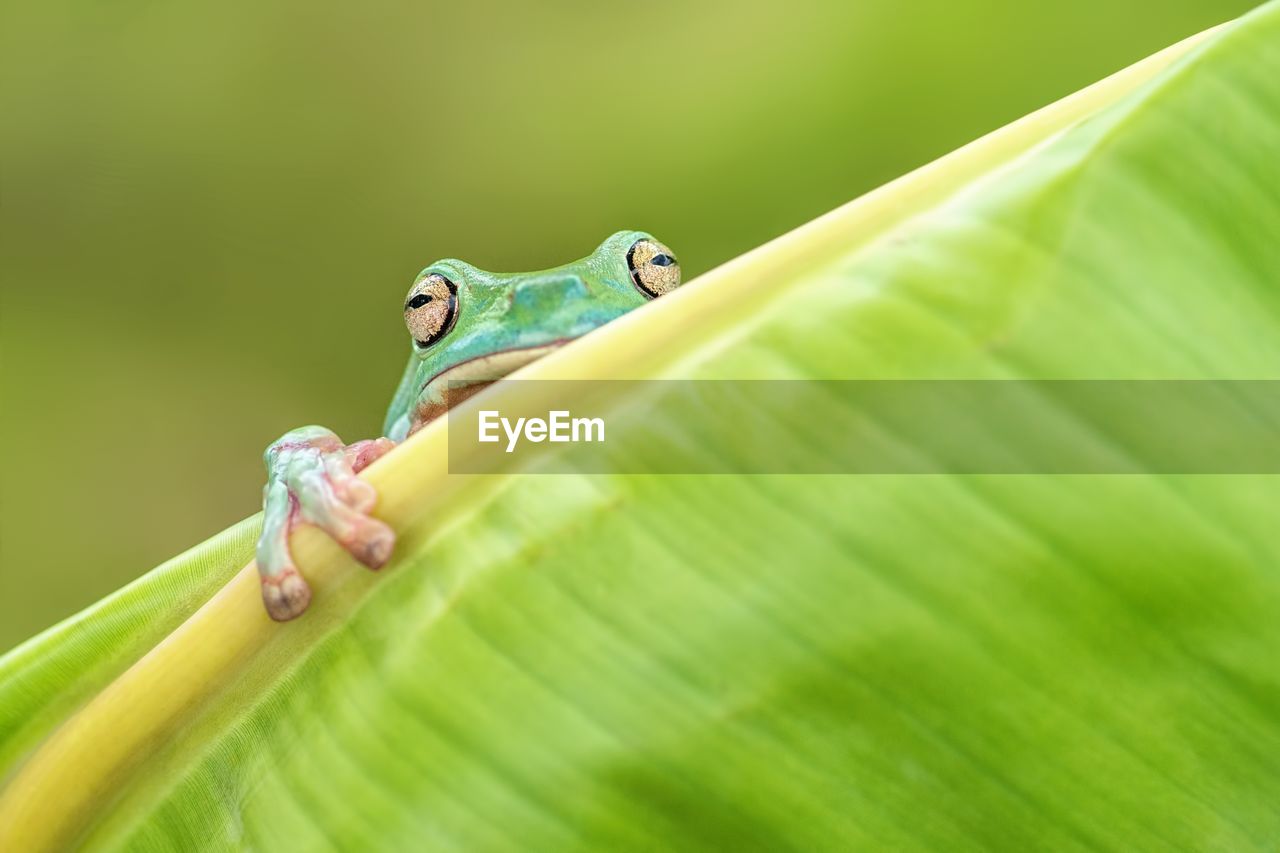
768, 662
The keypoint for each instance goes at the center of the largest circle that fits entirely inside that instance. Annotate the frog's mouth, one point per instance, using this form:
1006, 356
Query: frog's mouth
454, 384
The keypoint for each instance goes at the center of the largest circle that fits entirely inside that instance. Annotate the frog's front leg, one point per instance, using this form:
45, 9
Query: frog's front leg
311, 479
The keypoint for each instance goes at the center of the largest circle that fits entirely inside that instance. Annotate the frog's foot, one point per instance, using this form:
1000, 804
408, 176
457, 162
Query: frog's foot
311, 479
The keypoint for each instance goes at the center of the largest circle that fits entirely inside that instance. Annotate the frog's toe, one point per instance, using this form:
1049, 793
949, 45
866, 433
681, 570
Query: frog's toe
359, 495
286, 595
339, 505
364, 453
371, 542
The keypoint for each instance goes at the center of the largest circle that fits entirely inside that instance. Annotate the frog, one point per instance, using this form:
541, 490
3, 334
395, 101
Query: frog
467, 328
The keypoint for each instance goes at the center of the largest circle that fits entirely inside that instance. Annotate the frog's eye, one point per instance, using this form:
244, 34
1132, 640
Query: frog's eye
653, 268
430, 309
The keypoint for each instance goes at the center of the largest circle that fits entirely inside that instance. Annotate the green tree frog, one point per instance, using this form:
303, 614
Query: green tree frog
468, 328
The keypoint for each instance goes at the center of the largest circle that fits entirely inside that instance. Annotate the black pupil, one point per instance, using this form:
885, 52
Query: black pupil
419, 300
662, 260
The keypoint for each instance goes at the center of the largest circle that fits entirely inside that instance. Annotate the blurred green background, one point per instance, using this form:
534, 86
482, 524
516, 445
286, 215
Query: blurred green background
211, 212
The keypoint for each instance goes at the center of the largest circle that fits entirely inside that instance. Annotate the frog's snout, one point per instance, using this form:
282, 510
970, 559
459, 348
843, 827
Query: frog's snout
551, 290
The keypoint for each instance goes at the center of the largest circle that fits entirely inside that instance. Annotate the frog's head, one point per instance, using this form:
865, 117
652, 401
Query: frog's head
470, 327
